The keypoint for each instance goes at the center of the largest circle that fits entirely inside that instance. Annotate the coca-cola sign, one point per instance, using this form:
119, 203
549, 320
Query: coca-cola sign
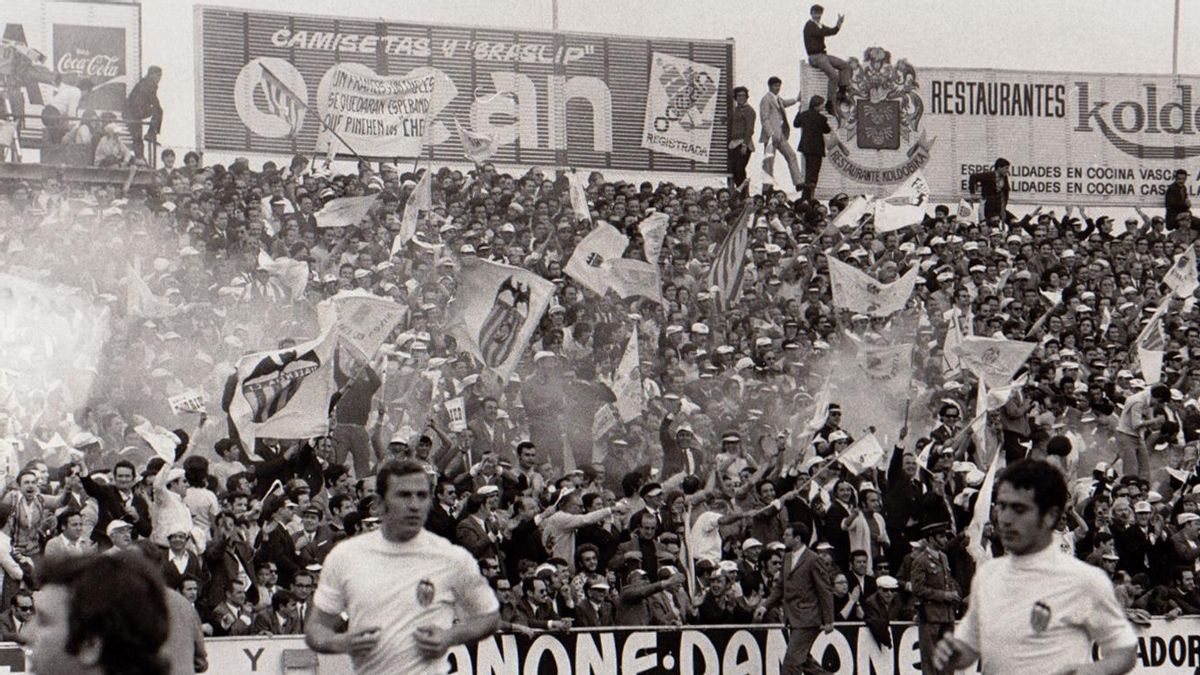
96, 54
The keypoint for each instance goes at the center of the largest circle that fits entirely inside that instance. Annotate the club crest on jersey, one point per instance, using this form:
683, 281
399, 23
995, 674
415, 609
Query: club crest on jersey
1039, 616
425, 592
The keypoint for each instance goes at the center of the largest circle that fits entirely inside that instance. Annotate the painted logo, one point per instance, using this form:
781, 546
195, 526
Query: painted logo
1039, 616
425, 592
883, 113
1134, 117
689, 93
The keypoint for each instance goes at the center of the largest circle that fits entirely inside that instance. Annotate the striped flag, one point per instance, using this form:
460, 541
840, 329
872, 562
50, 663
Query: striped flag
282, 101
730, 262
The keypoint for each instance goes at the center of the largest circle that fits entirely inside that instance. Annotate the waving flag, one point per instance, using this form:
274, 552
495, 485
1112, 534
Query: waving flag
904, 207
478, 148
292, 273
858, 291
589, 264
627, 381
579, 202
496, 310
345, 211
1182, 275
865, 453
993, 360
282, 102
854, 211
982, 514
730, 262
653, 230
421, 199
143, 302
285, 393
1152, 344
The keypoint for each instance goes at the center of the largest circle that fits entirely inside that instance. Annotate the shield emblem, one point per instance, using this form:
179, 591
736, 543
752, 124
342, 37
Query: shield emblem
498, 334
878, 124
275, 380
425, 592
1039, 616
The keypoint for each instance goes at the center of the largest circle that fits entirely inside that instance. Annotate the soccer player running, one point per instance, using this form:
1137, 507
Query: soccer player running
400, 587
1036, 609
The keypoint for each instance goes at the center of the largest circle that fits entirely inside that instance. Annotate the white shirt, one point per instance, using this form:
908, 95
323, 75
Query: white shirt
439, 581
704, 537
1072, 602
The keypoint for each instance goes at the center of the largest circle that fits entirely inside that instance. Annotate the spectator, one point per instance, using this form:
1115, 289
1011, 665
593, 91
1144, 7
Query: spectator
813, 127
836, 70
142, 104
741, 136
775, 129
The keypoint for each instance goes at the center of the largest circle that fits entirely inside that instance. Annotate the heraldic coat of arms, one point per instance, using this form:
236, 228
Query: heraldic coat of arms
883, 105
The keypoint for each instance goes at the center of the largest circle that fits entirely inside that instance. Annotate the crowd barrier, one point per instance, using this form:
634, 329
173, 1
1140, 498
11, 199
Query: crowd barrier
1166, 647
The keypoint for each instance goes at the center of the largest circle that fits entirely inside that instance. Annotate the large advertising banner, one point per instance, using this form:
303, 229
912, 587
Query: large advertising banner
1164, 648
281, 83
93, 41
1072, 138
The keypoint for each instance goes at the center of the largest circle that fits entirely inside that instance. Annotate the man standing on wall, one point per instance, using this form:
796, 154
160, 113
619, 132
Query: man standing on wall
775, 130
741, 136
813, 126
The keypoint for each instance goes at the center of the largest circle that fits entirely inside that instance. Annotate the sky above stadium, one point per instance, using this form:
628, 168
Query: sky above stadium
1065, 35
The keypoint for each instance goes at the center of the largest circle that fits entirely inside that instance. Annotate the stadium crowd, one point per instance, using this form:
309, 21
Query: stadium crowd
682, 515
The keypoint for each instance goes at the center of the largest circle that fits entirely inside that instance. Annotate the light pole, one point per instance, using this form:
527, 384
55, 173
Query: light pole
1174, 40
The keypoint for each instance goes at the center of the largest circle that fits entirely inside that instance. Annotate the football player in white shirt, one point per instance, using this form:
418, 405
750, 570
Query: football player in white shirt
1037, 610
400, 587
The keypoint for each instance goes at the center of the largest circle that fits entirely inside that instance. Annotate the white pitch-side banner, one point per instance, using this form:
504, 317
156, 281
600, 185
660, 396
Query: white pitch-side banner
1072, 138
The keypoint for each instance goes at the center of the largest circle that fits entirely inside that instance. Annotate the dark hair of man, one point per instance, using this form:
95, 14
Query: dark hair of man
799, 530
116, 601
772, 81
65, 517
333, 472
1001, 163
740, 90
816, 102
1160, 392
124, 464
281, 598
816, 8
397, 468
1047, 483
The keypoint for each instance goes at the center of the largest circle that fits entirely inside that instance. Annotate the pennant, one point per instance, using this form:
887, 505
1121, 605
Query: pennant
285, 393
1181, 278
966, 211
579, 202
627, 381
293, 274
495, 311
421, 199
865, 453
729, 264
857, 291
478, 148
950, 345
589, 264
1152, 344
979, 423
982, 514
457, 409
904, 207
345, 211
653, 229
993, 360
604, 421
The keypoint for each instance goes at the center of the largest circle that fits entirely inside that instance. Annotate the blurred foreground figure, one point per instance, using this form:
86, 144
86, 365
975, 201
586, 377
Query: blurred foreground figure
99, 614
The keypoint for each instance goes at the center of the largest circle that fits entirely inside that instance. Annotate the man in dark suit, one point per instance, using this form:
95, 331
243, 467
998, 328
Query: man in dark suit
178, 562
274, 542
596, 611
806, 595
440, 520
1177, 201
228, 556
316, 540
881, 608
230, 616
279, 618
993, 188
935, 590
474, 531
118, 501
813, 126
15, 620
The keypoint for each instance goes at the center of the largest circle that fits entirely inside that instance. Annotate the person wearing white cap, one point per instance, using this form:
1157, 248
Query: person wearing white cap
1186, 541
1035, 609
881, 608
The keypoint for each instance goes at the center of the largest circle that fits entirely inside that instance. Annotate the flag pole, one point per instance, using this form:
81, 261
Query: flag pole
319, 120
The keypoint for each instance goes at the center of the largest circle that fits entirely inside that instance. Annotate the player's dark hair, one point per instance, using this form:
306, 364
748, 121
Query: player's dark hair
1046, 481
398, 468
116, 601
